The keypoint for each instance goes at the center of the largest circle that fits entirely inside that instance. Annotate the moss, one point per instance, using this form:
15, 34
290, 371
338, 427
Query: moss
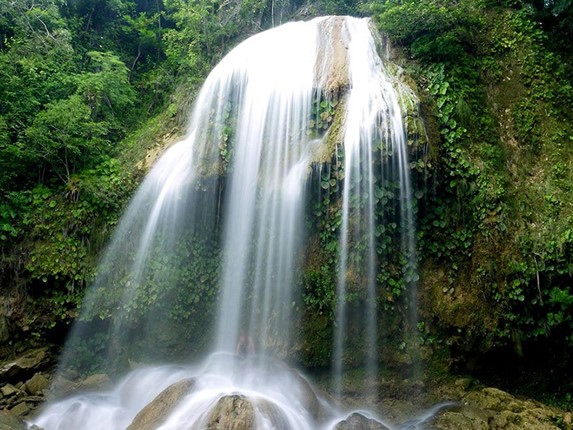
316, 346
334, 136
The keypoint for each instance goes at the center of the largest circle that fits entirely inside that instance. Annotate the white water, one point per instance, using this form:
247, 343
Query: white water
281, 398
373, 124
263, 91
263, 381
264, 224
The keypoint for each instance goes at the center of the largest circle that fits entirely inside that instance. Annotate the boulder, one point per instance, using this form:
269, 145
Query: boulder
9, 421
234, 412
272, 414
62, 387
357, 421
20, 409
462, 417
152, 415
24, 367
273, 371
491, 408
8, 390
37, 384
333, 72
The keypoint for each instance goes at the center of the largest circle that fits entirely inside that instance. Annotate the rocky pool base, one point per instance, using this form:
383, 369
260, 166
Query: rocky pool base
27, 382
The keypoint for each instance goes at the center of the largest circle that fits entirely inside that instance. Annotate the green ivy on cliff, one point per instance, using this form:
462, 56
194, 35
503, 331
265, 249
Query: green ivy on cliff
495, 230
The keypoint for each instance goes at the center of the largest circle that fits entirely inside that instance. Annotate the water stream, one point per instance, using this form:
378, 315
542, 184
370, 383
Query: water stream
227, 206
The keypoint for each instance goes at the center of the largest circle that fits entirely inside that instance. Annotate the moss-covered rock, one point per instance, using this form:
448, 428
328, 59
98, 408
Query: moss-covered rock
491, 408
10, 421
152, 415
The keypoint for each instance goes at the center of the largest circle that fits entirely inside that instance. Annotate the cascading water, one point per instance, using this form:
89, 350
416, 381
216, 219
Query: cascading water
374, 130
272, 156
227, 206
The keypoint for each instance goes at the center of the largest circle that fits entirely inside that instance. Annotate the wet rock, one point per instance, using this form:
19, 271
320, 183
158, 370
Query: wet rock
462, 417
358, 421
279, 372
333, 68
494, 409
20, 409
8, 390
96, 382
272, 415
37, 384
62, 386
152, 415
25, 366
233, 412
9, 421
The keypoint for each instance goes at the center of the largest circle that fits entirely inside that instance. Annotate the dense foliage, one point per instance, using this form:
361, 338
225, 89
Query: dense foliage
495, 232
85, 88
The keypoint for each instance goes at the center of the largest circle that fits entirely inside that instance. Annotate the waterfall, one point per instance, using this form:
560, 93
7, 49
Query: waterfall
374, 130
266, 189
227, 207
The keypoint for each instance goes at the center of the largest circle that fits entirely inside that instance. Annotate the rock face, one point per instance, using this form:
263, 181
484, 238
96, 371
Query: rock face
9, 421
18, 400
22, 385
37, 384
151, 416
332, 68
25, 366
236, 412
493, 409
233, 412
358, 421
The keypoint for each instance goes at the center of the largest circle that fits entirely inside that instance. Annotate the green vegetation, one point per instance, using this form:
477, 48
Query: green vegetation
85, 88
495, 231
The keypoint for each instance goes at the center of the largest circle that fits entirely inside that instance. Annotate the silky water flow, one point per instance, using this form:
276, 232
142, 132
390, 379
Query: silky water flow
278, 110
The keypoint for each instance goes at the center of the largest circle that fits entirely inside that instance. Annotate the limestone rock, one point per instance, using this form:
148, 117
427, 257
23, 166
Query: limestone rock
4, 329
8, 390
272, 415
60, 387
20, 409
9, 421
37, 384
152, 415
332, 69
98, 381
461, 417
25, 366
233, 412
358, 421
494, 409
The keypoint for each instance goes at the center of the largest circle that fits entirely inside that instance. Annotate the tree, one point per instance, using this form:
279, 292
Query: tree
66, 137
106, 89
